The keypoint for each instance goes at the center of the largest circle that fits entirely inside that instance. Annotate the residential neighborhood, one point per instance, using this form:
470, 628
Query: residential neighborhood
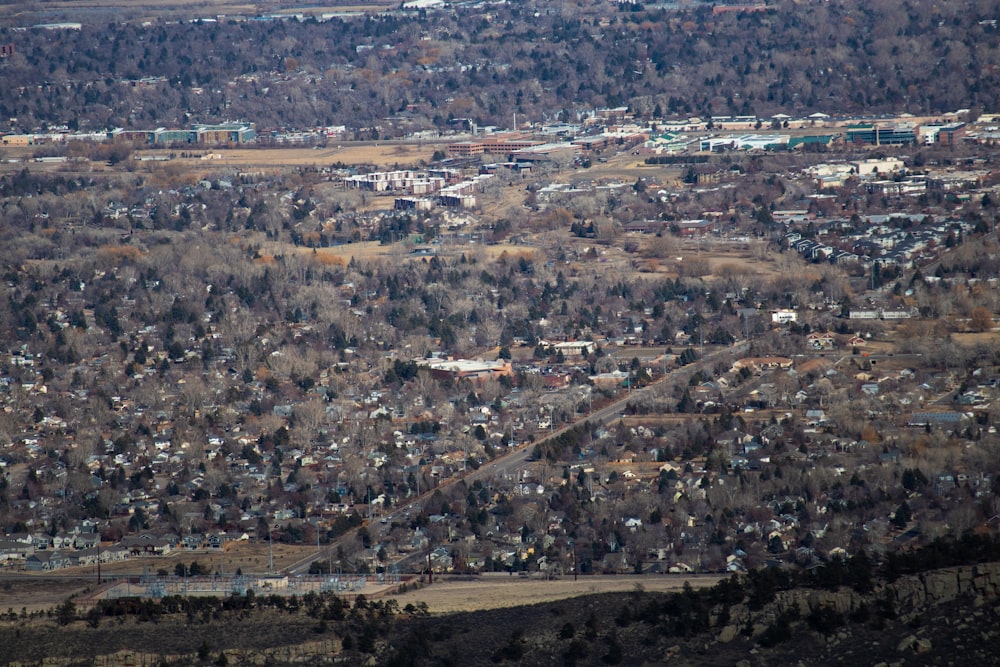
548, 334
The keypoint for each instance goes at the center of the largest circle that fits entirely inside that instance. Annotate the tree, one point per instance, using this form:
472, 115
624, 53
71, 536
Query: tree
901, 516
66, 612
981, 319
686, 403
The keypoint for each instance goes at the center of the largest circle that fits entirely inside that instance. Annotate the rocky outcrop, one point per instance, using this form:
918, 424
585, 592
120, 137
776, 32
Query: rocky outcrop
909, 597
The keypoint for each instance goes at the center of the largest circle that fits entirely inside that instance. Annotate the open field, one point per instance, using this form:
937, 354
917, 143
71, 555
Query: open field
446, 595
383, 155
380, 154
971, 339
189, 9
368, 250
248, 556
36, 594
460, 594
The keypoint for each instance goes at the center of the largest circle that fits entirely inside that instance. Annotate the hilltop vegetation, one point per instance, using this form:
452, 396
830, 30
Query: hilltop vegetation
406, 71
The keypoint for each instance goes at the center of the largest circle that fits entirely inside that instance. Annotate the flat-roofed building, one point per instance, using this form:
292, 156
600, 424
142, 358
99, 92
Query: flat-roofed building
469, 368
18, 140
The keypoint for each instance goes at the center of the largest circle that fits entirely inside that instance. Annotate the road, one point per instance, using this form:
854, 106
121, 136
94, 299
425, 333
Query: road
507, 464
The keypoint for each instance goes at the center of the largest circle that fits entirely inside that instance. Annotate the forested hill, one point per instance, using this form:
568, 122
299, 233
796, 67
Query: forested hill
420, 70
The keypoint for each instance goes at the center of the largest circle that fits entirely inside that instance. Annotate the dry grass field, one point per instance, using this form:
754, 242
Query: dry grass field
248, 556
368, 250
461, 594
991, 338
36, 594
380, 154
187, 8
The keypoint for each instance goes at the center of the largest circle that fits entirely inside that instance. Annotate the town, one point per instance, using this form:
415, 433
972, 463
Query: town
170, 412
467, 333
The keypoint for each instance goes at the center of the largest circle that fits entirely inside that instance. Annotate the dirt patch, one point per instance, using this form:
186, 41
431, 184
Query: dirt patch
452, 594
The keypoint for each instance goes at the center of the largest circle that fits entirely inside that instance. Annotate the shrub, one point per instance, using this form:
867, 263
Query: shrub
825, 620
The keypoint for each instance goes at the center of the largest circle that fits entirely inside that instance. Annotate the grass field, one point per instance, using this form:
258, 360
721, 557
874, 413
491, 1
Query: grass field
377, 153
380, 154
972, 339
446, 595
460, 594
35, 594
128, 10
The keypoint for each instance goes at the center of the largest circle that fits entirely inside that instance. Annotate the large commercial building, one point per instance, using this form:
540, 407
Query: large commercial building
500, 144
225, 134
892, 135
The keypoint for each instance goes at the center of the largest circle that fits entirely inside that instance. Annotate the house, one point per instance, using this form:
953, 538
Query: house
693, 227
815, 417
147, 545
575, 348
13, 550
616, 562
86, 541
820, 341
114, 554
62, 541
45, 561
193, 541
83, 557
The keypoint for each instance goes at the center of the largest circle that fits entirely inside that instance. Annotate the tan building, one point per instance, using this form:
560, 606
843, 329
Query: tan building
18, 140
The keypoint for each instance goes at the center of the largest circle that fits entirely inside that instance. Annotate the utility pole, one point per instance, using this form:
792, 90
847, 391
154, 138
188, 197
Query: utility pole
430, 570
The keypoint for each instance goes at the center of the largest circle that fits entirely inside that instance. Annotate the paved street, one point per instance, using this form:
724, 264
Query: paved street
506, 465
